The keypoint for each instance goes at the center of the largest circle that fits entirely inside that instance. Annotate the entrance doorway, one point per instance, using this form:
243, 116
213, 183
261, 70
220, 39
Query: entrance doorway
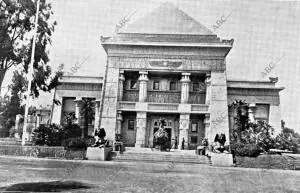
169, 128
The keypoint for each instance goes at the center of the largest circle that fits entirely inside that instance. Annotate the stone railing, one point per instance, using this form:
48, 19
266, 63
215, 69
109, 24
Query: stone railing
201, 107
197, 98
163, 107
126, 105
164, 96
131, 95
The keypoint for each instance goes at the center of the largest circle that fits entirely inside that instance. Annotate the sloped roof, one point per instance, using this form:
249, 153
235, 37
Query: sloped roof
167, 19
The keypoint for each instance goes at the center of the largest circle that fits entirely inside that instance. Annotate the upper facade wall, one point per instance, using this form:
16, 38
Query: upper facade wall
166, 58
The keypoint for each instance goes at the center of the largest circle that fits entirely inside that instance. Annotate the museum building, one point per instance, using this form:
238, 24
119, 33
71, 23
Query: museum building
168, 66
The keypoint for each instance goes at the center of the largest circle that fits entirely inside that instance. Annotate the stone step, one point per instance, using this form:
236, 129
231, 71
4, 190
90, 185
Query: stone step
130, 156
10, 141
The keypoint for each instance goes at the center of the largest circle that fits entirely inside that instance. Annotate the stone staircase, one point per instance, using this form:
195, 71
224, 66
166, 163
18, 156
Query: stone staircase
10, 141
150, 155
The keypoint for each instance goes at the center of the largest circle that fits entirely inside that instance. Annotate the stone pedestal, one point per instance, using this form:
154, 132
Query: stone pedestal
185, 87
143, 86
221, 159
184, 123
96, 153
141, 124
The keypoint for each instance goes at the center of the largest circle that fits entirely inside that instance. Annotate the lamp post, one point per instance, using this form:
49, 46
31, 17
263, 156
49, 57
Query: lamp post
25, 135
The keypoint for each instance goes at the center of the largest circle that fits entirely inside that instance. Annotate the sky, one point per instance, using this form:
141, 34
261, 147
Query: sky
263, 32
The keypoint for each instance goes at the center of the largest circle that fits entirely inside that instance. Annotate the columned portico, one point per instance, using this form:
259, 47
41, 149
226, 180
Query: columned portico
143, 86
184, 122
185, 81
141, 124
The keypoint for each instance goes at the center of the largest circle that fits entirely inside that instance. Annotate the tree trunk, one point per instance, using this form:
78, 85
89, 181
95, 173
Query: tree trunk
2, 73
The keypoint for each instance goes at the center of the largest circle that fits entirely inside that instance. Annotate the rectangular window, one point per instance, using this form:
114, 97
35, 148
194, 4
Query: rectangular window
196, 86
262, 112
130, 124
172, 85
133, 84
194, 127
194, 139
156, 85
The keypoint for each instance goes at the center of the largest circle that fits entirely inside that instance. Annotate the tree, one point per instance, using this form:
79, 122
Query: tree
13, 106
16, 27
88, 114
287, 139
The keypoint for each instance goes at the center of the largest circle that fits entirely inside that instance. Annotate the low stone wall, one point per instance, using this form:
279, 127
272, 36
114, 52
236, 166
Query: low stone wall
42, 151
265, 161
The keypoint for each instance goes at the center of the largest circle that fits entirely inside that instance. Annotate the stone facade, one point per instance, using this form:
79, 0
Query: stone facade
176, 73
70, 94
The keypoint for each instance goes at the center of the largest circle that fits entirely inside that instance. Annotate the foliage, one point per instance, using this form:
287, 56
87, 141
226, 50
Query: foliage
78, 142
161, 137
16, 26
287, 139
88, 114
71, 130
242, 149
48, 135
247, 138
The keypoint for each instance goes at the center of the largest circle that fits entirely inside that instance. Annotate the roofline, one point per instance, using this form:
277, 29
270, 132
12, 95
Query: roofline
208, 45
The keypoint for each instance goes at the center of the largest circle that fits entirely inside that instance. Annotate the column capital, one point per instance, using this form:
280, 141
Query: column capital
185, 77
143, 76
119, 115
121, 75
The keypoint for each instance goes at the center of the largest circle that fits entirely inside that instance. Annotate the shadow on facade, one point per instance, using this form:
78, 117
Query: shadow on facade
52, 186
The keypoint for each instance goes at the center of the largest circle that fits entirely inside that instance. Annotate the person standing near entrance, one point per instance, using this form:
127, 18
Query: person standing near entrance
182, 143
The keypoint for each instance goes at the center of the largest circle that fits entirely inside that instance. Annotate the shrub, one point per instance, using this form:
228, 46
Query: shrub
48, 135
78, 142
287, 139
249, 150
72, 130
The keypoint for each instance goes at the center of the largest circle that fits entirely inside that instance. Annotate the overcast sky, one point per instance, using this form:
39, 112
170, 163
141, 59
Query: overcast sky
264, 32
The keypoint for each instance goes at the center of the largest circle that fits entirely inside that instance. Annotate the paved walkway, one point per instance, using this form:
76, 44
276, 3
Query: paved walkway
96, 176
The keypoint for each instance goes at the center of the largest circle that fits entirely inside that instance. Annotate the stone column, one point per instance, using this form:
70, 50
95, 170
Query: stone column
184, 124
207, 127
185, 84
119, 124
18, 125
208, 88
251, 112
97, 114
121, 85
57, 111
143, 86
77, 109
141, 122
